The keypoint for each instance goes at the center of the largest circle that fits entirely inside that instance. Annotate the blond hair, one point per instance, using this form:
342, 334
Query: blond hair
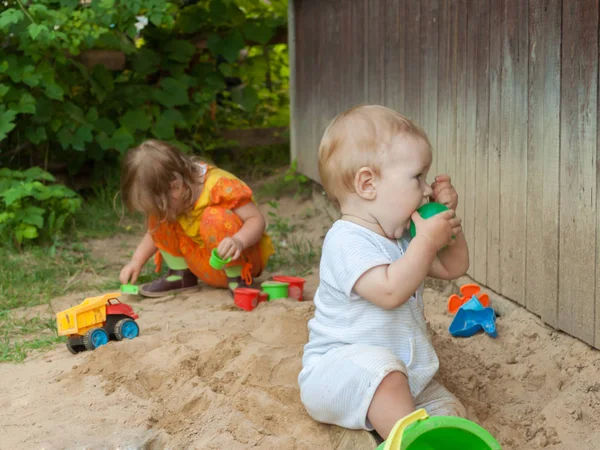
147, 172
359, 137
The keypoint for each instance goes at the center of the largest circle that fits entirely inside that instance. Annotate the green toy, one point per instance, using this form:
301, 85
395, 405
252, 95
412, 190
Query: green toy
426, 211
275, 289
130, 289
418, 431
216, 262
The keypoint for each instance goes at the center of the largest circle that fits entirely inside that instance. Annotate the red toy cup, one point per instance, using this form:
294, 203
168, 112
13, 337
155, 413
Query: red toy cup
296, 288
246, 298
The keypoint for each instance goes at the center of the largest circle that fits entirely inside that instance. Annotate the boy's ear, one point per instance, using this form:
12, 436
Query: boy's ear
365, 183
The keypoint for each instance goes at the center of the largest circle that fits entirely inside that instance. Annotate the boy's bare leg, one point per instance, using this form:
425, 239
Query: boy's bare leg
391, 402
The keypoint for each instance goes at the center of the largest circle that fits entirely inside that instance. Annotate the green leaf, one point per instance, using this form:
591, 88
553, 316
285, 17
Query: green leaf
226, 69
34, 216
92, 115
135, 120
9, 17
3, 90
26, 104
54, 91
145, 61
180, 50
3, 66
37, 174
258, 32
82, 135
36, 134
35, 29
30, 77
74, 111
172, 93
166, 124
121, 140
247, 97
65, 137
102, 82
13, 194
27, 232
106, 125
156, 18
229, 47
6, 121
107, 4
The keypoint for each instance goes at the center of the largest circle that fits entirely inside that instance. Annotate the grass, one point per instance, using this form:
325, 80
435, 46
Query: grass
294, 253
38, 274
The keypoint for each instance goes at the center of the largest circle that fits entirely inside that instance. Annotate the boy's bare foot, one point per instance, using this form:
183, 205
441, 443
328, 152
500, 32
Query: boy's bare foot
345, 439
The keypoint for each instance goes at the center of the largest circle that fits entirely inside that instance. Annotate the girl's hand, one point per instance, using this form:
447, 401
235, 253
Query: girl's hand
444, 192
230, 247
130, 273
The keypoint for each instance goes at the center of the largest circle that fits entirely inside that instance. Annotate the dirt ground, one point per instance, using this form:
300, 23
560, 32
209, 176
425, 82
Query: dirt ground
206, 375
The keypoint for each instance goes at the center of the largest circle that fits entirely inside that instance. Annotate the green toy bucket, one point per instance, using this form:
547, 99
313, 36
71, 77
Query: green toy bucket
275, 289
216, 262
418, 431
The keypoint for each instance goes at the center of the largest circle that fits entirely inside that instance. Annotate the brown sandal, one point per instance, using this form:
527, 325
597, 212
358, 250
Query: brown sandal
185, 281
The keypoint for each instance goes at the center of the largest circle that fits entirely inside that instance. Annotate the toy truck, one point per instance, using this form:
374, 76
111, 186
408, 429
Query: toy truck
96, 320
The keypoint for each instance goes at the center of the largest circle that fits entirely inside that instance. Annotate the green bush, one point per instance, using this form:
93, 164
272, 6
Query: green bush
179, 58
30, 208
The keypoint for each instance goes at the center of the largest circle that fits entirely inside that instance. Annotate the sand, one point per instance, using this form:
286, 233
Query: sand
206, 375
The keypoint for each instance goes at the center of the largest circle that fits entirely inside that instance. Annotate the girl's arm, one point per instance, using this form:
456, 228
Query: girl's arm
254, 225
250, 233
144, 251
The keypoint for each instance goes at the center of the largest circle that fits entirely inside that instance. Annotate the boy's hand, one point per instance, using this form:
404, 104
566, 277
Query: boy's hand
230, 248
444, 192
438, 229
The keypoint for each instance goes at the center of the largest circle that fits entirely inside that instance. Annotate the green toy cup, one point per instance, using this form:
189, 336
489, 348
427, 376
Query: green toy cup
275, 289
420, 432
216, 262
426, 211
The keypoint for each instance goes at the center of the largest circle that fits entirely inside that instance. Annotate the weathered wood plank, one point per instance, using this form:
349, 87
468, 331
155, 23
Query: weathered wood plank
444, 89
493, 211
470, 193
460, 146
412, 60
543, 159
578, 126
394, 49
513, 153
374, 49
429, 78
452, 89
481, 68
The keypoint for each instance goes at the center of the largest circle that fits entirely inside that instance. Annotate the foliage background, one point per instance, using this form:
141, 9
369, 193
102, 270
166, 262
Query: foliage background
186, 71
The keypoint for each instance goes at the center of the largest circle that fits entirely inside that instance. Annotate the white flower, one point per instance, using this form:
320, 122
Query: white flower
56, 27
141, 23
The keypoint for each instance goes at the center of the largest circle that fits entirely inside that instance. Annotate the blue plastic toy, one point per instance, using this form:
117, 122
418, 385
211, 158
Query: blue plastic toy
472, 317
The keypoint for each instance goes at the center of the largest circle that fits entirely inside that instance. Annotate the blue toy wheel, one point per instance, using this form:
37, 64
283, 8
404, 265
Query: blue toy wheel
95, 338
126, 329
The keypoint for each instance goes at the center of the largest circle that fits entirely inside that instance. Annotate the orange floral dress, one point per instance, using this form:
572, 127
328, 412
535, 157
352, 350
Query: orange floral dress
195, 234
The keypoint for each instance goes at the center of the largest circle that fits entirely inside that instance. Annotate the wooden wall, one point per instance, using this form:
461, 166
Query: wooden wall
508, 93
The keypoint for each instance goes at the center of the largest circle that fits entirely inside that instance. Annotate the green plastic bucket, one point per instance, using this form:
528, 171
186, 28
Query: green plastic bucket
275, 289
420, 432
216, 262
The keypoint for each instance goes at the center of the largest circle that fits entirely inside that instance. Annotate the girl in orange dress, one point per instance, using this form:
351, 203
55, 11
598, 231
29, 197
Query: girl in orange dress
192, 208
